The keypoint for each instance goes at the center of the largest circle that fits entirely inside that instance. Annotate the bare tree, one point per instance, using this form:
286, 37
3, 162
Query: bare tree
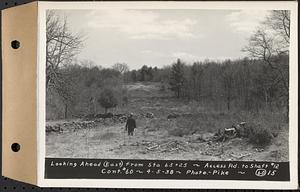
270, 43
196, 78
279, 21
228, 83
89, 64
61, 47
121, 67
267, 42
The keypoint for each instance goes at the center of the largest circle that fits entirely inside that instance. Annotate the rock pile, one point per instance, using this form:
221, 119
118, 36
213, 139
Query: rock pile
107, 118
74, 125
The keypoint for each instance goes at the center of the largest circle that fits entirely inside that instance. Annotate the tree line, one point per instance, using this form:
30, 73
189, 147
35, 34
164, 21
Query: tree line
246, 84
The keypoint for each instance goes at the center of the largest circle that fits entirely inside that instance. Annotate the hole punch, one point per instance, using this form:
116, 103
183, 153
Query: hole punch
15, 44
15, 147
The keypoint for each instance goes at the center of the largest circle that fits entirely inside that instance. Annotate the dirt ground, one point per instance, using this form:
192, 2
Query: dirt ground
152, 138
113, 142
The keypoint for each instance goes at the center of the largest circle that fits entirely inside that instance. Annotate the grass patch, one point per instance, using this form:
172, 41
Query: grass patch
178, 132
108, 135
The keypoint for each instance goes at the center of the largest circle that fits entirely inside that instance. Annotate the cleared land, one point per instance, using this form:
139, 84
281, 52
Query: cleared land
189, 136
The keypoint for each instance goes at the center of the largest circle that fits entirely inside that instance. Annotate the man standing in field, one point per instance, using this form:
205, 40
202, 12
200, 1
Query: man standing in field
130, 125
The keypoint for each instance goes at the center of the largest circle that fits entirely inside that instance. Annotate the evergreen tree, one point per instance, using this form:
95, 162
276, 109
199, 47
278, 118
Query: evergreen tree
144, 71
177, 77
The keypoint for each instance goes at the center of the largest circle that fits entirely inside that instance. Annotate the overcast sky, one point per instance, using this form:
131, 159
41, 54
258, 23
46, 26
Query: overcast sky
159, 37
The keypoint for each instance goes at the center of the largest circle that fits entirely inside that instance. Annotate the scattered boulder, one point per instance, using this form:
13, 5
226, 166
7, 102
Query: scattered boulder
238, 130
149, 115
121, 118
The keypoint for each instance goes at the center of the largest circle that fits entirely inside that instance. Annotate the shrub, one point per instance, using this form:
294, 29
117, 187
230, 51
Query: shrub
259, 135
107, 99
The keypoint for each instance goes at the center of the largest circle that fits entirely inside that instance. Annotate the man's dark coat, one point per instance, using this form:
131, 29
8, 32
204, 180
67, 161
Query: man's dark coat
130, 125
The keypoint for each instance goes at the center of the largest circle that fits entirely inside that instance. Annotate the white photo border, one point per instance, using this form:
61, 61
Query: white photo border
157, 183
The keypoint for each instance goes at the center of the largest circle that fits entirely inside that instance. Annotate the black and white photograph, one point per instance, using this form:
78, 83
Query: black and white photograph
168, 84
